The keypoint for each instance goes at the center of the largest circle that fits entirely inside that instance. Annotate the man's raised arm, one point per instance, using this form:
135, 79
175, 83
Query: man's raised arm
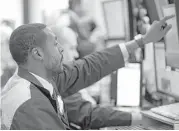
86, 71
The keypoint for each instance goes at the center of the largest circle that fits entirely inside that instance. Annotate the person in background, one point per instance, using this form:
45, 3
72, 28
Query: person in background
81, 22
8, 65
33, 96
82, 109
89, 39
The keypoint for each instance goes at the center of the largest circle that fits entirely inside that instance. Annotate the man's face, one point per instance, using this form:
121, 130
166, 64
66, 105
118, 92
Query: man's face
53, 53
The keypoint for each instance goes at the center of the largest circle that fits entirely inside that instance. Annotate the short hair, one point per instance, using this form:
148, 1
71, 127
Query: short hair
23, 39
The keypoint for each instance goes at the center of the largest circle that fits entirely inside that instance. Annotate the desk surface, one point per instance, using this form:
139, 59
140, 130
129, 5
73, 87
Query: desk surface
151, 121
139, 127
156, 121
160, 118
124, 128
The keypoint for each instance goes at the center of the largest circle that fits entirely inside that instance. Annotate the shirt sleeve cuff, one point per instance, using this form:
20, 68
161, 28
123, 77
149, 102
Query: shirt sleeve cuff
124, 52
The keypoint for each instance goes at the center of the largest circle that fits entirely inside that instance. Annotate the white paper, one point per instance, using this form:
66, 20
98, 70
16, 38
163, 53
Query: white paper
128, 86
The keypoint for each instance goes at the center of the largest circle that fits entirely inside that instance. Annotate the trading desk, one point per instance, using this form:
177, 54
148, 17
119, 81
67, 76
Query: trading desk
151, 121
154, 121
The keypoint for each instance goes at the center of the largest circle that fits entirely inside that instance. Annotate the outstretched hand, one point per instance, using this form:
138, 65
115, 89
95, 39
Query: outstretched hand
158, 30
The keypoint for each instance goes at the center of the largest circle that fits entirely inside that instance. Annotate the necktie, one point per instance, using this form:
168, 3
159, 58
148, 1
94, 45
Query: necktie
60, 107
59, 102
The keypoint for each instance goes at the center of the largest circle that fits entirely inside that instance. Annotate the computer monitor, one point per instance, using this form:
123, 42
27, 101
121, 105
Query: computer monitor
166, 80
171, 39
167, 55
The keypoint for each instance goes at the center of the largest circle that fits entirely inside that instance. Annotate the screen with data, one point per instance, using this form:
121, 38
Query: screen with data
171, 39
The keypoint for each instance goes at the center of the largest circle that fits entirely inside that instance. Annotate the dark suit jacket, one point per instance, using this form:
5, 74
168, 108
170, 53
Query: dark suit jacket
27, 105
83, 114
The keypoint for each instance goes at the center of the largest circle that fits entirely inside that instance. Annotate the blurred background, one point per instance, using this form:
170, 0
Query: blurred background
98, 24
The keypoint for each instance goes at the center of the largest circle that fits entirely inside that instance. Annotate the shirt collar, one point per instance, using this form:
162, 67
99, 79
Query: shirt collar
47, 85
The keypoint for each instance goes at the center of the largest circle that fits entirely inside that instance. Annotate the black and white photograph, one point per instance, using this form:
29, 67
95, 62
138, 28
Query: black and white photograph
89, 64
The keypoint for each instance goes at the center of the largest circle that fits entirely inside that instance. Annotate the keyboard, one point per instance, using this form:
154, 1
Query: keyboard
139, 127
170, 111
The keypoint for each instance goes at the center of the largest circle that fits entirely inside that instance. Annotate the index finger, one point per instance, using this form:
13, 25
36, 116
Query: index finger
167, 18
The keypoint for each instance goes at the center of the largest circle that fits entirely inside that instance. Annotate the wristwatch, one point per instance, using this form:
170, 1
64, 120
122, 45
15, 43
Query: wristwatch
139, 40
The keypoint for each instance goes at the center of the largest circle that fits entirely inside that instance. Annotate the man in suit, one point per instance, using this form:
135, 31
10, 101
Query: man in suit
32, 98
81, 108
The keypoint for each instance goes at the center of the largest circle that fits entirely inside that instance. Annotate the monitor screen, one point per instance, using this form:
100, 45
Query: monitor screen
166, 53
166, 80
168, 56
171, 39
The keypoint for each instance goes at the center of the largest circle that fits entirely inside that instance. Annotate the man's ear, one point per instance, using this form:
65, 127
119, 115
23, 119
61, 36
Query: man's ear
37, 53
